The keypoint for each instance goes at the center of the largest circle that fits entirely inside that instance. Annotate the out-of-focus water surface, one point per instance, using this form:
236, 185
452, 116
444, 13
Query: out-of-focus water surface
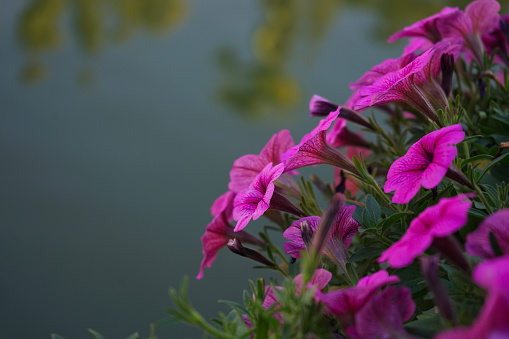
119, 123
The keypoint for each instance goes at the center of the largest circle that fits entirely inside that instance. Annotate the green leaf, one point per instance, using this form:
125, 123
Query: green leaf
371, 213
426, 326
135, 335
236, 306
166, 321
366, 253
357, 214
56, 336
491, 164
96, 335
477, 157
388, 222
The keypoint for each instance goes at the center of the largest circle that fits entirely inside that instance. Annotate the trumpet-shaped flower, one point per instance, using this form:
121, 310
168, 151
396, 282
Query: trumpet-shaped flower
313, 149
385, 67
479, 17
399, 86
478, 242
345, 303
252, 202
437, 221
344, 227
217, 234
425, 32
224, 203
425, 163
383, 315
493, 319
247, 167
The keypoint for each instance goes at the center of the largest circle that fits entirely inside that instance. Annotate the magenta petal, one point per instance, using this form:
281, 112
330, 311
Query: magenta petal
216, 236
293, 233
252, 202
478, 242
247, 167
319, 280
223, 203
440, 220
425, 163
345, 303
426, 28
384, 314
493, 318
483, 15
403, 252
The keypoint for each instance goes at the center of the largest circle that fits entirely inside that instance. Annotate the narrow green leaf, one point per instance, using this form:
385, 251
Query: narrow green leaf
477, 157
134, 335
166, 321
491, 164
388, 222
236, 306
56, 336
96, 335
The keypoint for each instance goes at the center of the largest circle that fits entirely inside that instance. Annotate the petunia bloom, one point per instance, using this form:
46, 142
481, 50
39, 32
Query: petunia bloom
493, 318
313, 149
478, 242
224, 203
413, 85
383, 315
425, 32
434, 223
425, 164
253, 201
479, 17
343, 228
247, 167
399, 86
217, 234
345, 303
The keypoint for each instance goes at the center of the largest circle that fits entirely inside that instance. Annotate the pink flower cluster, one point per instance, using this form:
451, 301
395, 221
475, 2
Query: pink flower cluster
421, 81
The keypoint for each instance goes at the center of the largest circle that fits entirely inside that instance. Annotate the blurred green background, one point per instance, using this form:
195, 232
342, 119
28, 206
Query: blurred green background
119, 123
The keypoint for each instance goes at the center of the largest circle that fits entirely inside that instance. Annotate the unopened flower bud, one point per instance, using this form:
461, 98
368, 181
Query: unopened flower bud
429, 268
307, 233
236, 247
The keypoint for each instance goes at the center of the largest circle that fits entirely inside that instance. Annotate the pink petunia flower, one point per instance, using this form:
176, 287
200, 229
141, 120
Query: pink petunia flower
224, 203
247, 167
426, 163
345, 303
493, 319
252, 202
383, 315
479, 17
217, 234
434, 223
385, 67
344, 227
313, 149
424, 33
478, 242
413, 85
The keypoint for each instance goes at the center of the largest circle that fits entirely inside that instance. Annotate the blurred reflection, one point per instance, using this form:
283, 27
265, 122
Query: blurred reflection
265, 84
95, 22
